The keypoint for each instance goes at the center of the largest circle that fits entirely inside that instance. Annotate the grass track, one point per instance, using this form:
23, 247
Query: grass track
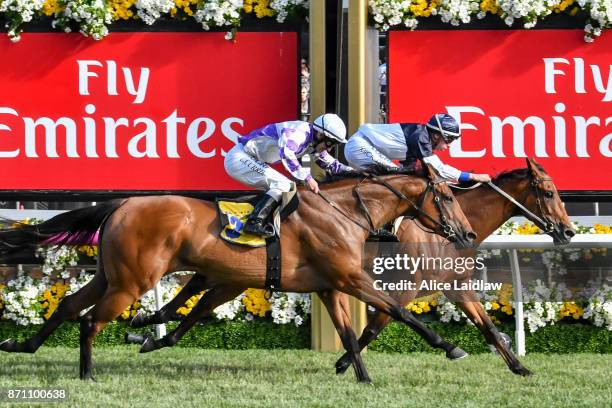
262, 378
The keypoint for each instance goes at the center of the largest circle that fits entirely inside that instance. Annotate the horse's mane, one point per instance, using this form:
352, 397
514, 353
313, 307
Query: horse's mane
375, 170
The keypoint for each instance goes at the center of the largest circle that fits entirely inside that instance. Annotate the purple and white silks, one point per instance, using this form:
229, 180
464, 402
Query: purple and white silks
287, 142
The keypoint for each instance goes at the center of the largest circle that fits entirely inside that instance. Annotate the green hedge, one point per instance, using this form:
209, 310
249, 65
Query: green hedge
562, 338
227, 335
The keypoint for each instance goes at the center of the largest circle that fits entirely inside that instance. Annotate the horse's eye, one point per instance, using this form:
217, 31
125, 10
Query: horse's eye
448, 198
548, 194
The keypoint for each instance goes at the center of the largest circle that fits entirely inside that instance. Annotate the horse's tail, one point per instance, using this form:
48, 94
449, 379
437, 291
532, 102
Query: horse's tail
70, 228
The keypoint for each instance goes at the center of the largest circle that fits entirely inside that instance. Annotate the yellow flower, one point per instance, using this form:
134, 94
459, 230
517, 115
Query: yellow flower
120, 9
494, 305
255, 302
51, 7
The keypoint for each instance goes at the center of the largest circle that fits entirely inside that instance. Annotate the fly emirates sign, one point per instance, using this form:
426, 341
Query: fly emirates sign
151, 111
517, 93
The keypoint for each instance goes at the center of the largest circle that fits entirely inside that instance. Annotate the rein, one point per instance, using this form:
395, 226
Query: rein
443, 223
545, 224
341, 211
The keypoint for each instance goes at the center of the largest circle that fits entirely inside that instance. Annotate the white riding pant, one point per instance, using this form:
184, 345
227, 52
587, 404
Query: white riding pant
360, 154
246, 169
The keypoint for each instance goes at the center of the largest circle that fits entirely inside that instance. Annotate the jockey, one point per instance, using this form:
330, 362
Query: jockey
286, 142
378, 144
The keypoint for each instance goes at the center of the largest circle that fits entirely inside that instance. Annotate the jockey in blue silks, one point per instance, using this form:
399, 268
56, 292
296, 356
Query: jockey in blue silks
379, 144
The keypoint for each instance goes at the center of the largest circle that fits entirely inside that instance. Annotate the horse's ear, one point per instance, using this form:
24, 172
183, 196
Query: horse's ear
534, 166
431, 173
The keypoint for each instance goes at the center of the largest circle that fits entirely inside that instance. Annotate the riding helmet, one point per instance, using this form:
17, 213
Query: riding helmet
446, 125
331, 126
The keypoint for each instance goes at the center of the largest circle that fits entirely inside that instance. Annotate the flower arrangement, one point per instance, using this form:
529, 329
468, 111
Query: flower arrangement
93, 17
26, 300
386, 14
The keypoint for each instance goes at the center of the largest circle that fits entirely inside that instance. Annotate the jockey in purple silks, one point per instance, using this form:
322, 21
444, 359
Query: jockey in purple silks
286, 142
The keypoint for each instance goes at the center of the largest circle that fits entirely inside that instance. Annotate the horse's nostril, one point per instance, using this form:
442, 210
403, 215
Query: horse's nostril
471, 235
569, 233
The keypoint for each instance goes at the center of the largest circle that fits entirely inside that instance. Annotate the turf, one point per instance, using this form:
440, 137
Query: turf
277, 378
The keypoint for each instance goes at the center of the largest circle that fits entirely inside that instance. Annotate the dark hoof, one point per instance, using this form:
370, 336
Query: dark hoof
8, 345
366, 381
342, 365
148, 344
456, 354
88, 377
138, 320
522, 371
133, 338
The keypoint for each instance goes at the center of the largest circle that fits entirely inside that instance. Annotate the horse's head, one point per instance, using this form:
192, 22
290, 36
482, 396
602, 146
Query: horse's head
441, 211
544, 201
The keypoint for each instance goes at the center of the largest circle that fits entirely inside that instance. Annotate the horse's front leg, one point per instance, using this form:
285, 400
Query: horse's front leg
378, 322
361, 286
478, 315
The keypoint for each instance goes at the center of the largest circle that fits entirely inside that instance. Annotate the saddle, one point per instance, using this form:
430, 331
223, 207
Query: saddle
233, 213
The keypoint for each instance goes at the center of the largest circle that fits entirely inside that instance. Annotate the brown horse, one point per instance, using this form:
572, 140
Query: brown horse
144, 238
486, 210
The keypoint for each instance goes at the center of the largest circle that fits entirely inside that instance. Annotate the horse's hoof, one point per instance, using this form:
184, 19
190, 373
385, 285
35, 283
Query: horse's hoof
138, 320
133, 338
342, 366
148, 344
456, 354
523, 371
88, 377
366, 380
8, 345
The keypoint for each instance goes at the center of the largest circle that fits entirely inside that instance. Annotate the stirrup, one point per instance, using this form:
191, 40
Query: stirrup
257, 227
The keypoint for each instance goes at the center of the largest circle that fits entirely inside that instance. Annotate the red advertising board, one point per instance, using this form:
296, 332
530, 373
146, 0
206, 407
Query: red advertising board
543, 93
137, 111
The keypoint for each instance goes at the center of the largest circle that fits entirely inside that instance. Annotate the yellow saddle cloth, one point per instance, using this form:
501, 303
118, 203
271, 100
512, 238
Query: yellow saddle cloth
233, 217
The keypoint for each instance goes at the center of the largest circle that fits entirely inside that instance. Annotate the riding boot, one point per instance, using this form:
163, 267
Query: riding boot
257, 223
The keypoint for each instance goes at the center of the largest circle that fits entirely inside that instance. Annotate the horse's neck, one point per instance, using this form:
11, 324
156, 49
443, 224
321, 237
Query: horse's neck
486, 209
382, 204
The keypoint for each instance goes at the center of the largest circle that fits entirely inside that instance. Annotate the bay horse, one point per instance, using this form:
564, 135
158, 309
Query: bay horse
144, 238
485, 209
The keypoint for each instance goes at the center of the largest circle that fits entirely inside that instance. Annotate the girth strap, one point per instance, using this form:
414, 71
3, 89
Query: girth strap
273, 263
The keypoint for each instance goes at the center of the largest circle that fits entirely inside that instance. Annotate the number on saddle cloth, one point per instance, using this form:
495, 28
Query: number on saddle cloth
233, 214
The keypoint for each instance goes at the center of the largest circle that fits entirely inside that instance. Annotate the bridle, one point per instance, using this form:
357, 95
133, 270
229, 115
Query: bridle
443, 223
543, 221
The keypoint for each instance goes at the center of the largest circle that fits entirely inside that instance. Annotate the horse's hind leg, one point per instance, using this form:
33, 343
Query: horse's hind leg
337, 306
210, 300
111, 305
68, 308
195, 285
476, 313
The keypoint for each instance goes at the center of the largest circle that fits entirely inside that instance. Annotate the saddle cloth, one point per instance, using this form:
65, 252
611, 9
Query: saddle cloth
233, 213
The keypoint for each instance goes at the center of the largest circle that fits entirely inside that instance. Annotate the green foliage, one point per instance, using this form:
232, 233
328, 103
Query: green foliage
225, 335
397, 338
563, 338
